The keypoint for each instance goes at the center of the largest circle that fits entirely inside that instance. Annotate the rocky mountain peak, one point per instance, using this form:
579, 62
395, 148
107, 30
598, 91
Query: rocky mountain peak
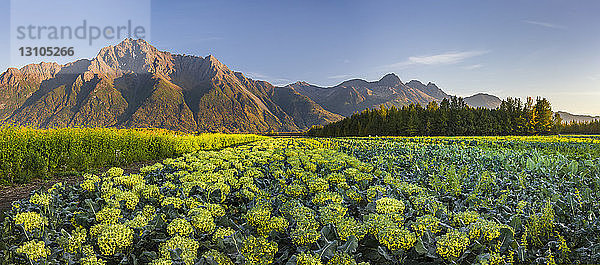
214, 61
430, 89
215, 66
7, 76
44, 69
415, 81
10, 72
390, 80
136, 56
415, 84
39, 71
301, 83
434, 87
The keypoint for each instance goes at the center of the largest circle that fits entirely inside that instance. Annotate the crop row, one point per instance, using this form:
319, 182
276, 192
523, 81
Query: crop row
33, 153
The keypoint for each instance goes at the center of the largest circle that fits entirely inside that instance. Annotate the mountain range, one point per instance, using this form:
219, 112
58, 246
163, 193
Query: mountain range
356, 95
133, 84
568, 117
492, 102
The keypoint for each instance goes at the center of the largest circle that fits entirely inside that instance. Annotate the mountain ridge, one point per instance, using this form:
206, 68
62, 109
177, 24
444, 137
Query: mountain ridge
133, 84
568, 117
356, 95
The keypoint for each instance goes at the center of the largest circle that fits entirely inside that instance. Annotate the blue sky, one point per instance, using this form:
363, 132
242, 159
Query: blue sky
547, 48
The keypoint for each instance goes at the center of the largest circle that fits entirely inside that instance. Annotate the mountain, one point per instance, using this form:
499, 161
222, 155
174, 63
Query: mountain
356, 95
568, 117
133, 84
430, 89
482, 100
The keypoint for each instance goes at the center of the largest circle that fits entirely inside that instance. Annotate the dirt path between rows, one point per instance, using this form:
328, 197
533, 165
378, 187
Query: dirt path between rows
14, 192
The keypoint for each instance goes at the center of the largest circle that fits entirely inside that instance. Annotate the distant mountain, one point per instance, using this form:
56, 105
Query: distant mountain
482, 100
356, 95
133, 84
568, 117
493, 102
430, 89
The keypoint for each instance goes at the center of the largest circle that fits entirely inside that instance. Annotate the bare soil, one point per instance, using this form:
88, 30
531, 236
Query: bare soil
14, 192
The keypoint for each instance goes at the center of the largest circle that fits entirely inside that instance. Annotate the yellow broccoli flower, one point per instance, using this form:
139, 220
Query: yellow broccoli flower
450, 246
180, 226
31, 221
34, 250
389, 205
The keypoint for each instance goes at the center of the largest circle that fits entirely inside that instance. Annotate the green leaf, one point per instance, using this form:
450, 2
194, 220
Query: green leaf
328, 251
515, 223
419, 247
148, 256
384, 253
350, 246
328, 232
292, 261
507, 237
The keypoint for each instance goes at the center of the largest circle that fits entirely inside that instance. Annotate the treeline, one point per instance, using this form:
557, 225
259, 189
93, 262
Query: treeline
592, 127
451, 117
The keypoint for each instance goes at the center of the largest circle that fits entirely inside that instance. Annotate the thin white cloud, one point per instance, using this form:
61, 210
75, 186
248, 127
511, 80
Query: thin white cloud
280, 81
544, 24
594, 77
273, 80
210, 39
255, 75
472, 67
338, 76
438, 59
445, 58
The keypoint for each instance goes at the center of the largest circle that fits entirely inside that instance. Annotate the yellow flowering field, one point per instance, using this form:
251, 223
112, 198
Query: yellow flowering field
324, 201
27, 153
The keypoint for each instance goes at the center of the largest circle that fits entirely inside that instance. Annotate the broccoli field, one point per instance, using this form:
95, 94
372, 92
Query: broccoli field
421, 200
